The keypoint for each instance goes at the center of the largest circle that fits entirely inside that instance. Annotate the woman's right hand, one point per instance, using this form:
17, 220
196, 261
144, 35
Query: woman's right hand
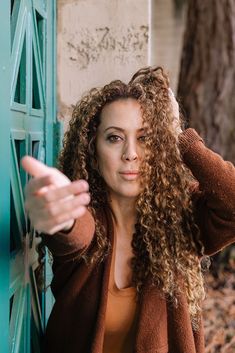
52, 201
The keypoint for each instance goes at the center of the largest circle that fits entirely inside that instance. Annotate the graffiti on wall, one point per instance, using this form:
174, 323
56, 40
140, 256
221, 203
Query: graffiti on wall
101, 44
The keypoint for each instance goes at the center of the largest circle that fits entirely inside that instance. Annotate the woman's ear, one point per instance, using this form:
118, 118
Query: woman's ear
95, 165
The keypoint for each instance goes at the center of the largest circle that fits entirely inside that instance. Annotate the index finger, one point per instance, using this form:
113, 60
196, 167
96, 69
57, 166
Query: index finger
34, 167
174, 103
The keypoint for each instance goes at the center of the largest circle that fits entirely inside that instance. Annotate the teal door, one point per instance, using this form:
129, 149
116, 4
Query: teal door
27, 126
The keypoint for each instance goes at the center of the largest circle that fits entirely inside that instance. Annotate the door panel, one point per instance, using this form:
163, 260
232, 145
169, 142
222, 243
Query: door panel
27, 126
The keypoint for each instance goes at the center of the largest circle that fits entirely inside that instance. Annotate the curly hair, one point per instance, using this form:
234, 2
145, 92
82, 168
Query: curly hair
166, 243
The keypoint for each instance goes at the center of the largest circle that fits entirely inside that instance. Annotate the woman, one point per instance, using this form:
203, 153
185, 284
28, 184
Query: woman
128, 251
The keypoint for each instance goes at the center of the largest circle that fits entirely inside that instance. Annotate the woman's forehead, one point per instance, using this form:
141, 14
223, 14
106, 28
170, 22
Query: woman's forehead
122, 113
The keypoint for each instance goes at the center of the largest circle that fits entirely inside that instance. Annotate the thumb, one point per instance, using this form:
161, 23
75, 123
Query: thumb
34, 167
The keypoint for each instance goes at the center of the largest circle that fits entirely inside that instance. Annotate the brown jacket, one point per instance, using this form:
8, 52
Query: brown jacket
76, 324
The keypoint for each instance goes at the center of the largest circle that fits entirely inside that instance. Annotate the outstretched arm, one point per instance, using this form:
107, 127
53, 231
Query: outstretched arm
57, 208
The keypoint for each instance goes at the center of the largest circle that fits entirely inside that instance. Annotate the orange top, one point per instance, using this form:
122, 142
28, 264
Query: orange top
120, 317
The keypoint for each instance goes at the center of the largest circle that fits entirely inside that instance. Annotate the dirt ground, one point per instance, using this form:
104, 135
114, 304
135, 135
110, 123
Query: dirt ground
219, 312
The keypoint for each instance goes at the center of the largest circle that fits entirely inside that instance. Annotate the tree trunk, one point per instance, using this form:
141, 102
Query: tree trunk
207, 77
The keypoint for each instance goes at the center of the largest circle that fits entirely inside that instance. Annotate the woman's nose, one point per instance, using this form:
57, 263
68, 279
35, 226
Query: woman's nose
130, 153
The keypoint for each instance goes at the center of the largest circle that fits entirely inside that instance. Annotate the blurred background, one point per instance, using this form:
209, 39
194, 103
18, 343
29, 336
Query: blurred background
52, 52
97, 44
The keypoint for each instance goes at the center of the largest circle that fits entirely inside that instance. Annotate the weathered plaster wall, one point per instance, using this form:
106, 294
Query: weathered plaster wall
167, 29
98, 41
102, 40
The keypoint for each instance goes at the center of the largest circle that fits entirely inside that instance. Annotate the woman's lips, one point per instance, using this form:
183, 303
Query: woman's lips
132, 175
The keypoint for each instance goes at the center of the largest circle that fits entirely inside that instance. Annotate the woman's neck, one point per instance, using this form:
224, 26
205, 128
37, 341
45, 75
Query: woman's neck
124, 214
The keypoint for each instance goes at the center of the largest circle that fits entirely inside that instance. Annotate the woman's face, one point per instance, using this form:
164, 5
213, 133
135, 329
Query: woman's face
120, 147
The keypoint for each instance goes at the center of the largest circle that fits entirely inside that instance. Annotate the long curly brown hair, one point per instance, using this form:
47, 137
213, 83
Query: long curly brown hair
166, 242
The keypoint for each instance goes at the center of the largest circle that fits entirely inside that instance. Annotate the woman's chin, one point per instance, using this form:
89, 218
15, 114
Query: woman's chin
128, 194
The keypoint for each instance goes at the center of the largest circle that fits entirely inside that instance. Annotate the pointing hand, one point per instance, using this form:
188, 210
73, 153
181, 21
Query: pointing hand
52, 201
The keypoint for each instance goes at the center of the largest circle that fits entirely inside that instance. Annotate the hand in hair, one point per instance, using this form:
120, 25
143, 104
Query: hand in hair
52, 201
175, 109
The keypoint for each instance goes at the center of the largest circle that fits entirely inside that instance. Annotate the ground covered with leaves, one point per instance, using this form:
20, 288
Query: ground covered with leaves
219, 310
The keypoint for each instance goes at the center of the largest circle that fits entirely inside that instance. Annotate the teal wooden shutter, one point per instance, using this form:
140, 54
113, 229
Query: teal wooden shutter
27, 126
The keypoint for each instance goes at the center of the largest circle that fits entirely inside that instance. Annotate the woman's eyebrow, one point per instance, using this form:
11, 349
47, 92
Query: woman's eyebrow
120, 129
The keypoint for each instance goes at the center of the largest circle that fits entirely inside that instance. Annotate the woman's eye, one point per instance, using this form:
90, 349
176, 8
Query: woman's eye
142, 138
113, 138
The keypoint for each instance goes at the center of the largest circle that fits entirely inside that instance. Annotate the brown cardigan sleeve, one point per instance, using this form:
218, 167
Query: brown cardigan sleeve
70, 245
215, 207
